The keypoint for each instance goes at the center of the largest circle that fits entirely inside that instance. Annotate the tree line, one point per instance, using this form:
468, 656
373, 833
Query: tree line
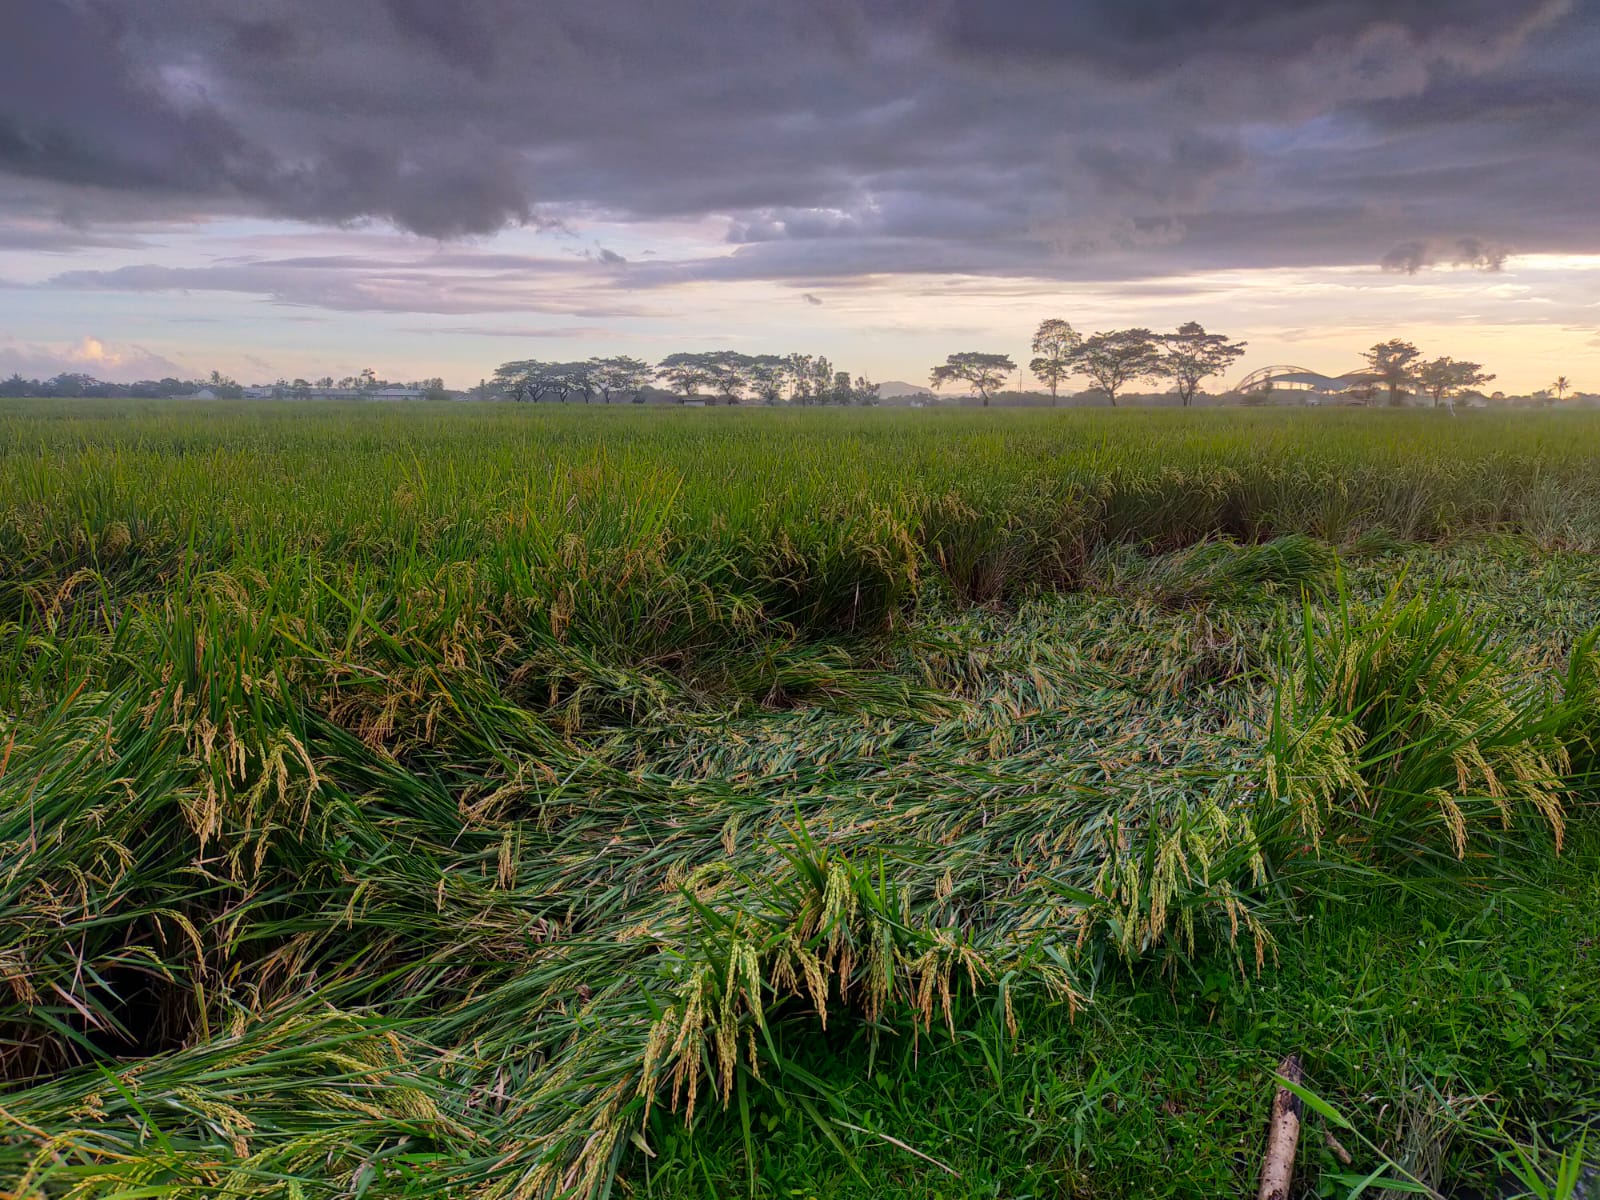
726, 376
223, 387
1111, 360
1396, 367
1189, 356
71, 383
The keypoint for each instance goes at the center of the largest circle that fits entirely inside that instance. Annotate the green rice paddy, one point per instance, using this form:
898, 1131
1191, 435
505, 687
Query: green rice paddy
490, 801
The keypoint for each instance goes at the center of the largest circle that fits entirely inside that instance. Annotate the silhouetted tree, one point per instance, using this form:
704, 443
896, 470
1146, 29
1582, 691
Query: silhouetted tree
985, 372
730, 374
812, 375
1056, 346
1445, 378
768, 374
567, 379
1561, 387
1191, 356
686, 374
525, 380
620, 376
1115, 359
1391, 364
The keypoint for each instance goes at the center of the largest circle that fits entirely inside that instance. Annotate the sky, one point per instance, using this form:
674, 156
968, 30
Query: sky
281, 188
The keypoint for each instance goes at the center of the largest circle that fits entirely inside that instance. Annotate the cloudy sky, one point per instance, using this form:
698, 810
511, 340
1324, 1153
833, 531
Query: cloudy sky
308, 187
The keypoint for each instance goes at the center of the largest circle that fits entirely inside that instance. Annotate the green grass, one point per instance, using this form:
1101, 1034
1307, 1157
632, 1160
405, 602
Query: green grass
1450, 1013
490, 802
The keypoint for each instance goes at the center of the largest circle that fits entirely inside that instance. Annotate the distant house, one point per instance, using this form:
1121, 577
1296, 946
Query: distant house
202, 394
397, 393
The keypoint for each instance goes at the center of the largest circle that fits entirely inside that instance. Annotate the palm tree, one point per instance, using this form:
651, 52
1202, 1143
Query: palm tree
1561, 387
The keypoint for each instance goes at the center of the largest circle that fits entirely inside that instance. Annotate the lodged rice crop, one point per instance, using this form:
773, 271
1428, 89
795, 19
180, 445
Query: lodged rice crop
408, 803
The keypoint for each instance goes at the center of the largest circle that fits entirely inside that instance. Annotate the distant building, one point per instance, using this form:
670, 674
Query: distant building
202, 394
1304, 386
396, 393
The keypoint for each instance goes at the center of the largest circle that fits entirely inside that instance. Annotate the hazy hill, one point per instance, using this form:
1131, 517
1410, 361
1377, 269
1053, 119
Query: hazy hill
899, 387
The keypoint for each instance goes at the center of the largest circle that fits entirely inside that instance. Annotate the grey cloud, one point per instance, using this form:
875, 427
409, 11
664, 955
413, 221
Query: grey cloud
396, 288
264, 39
1411, 257
62, 239
461, 34
86, 102
1148, 36
1061, 137
568, 332
809, 298
774, 224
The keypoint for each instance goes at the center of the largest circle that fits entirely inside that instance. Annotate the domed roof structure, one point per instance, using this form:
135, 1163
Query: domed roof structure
1299, 379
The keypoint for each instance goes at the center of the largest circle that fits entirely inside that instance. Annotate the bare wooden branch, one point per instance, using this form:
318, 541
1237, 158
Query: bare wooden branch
1283, 1135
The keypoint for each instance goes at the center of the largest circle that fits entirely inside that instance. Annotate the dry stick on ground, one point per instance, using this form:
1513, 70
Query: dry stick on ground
1283, 1133
1337, 1147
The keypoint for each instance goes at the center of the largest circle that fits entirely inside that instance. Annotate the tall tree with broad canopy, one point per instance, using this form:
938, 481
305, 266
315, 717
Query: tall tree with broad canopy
768, 374
1392, 366
729, 374
1056, 346
813, 378
1115, 359
686, 374
570, 379
621, 376
526, 379
985, 372
1444, 379
1191, 356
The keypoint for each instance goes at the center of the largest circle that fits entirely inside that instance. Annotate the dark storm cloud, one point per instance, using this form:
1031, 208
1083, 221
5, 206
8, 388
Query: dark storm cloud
1062, 137
1145, 39
463, 35
1411, 257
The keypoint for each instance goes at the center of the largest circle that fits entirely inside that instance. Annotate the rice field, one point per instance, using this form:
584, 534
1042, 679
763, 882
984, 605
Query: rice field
492, 802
